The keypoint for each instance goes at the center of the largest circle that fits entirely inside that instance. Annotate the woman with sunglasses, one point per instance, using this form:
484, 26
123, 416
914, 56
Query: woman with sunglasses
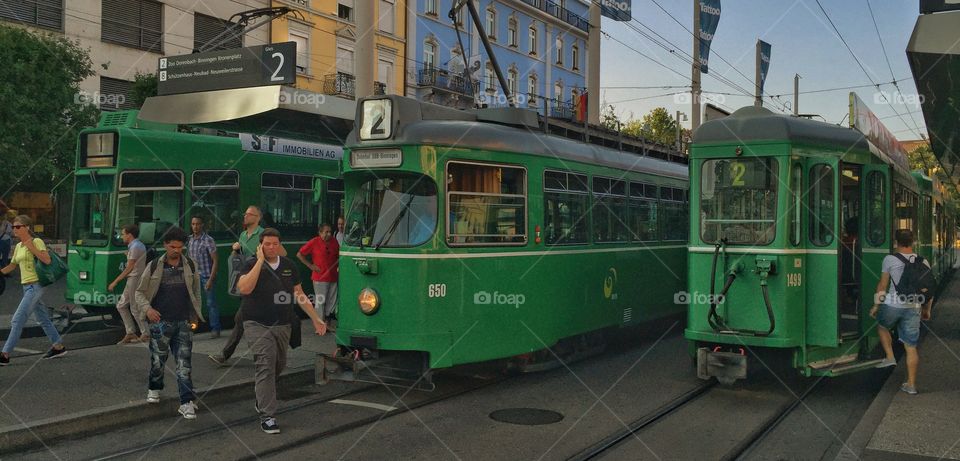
26, 252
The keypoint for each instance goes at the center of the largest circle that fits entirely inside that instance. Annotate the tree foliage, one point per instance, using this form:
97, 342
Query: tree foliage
657, 126
144, 86
42, 108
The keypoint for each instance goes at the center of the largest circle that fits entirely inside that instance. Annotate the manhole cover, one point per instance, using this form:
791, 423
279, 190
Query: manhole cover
526, 416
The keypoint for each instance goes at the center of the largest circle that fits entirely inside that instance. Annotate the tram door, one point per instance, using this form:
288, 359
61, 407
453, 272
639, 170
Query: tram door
875, 234
850, 251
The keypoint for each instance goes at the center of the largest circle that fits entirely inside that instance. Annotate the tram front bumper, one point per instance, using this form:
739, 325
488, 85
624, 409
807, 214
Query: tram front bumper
727, 367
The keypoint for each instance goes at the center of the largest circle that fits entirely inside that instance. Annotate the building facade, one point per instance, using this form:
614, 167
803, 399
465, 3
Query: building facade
127, 37
326, 36
540, 45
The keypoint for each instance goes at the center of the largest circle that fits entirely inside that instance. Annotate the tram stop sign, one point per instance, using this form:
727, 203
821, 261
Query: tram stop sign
261, 65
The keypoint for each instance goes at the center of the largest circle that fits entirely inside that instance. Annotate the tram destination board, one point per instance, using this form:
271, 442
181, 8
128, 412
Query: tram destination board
272, 64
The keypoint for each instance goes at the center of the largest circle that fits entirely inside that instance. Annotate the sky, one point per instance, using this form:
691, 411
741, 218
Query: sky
803, 42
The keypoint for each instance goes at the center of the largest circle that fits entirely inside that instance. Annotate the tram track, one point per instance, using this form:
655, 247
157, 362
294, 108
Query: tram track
741, 451
296, 412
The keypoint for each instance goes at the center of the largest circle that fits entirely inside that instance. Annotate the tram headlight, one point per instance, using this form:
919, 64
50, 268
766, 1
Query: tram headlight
84, 275
369, 301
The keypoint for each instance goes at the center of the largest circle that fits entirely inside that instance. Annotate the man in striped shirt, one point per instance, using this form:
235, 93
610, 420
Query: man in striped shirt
203, 249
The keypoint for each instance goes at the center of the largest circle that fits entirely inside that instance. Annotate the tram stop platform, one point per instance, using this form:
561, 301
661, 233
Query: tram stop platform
101, 388
926, 426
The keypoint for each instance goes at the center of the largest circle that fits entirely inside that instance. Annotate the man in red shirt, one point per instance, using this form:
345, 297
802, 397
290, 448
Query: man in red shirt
324, 252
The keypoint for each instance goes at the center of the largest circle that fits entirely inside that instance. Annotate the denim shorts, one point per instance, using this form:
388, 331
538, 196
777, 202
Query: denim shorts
905, 319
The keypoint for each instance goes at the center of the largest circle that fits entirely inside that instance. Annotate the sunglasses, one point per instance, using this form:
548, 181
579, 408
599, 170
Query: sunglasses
17, 226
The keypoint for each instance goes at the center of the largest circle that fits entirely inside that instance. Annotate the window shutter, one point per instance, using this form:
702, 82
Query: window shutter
110, 91
206, 28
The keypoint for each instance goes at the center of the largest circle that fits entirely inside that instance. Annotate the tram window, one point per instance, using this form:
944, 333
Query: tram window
287, 203
151, 180
643, 212
876, 209
610, 210
822, 205
673, 211
333, 202
216, 198
486, 204
392, 210
153, 200
796, 183
566, 200
738, 200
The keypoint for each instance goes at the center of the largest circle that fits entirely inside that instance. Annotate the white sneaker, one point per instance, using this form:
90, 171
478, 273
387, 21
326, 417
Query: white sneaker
153, 396
189, 410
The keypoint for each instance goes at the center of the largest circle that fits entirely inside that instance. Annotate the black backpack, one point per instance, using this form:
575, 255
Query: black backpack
916, 281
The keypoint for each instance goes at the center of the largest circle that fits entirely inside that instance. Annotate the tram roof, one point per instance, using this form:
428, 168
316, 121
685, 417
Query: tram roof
421, 122
760, 124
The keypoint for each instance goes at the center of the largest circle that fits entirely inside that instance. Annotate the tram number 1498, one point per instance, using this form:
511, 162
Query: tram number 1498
793, 280
437, 290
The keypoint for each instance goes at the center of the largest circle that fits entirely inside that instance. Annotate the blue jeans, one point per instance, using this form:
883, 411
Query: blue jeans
906, 320
166, 336
31, 303
213, 311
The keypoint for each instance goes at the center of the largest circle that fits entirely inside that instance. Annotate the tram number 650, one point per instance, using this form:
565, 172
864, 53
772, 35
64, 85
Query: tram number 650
437, 290
793, 280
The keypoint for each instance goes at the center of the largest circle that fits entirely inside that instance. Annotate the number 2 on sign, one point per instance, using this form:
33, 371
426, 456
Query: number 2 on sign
738, 169
275, 77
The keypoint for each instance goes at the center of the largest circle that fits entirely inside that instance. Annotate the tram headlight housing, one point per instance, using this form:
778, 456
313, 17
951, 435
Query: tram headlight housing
369, 301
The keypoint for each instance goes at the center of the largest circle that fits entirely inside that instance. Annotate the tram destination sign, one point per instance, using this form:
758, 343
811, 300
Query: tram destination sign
272, 64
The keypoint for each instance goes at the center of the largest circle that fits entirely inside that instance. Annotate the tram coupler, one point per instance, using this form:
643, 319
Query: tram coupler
393, 370
727, 367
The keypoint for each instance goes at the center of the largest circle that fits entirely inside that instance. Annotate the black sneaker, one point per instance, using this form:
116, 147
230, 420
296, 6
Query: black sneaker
4, 360
270, 426
54, 353
218, 359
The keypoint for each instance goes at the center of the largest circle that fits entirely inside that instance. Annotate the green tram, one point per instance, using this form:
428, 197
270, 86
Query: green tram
134, 172
471, 236
790, 221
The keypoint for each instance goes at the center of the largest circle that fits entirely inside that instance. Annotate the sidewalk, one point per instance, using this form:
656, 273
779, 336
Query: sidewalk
925, 426
92, 390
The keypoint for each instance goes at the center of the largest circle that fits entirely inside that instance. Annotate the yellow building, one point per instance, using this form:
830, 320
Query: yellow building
326, 33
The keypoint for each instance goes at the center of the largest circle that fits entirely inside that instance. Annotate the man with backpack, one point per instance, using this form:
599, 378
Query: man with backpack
905, 289
169, 294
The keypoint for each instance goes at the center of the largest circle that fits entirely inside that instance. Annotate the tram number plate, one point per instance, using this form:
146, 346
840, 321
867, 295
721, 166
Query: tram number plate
794, 279
437, 290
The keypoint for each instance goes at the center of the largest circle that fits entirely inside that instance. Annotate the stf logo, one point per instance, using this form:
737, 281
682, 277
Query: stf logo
610, 284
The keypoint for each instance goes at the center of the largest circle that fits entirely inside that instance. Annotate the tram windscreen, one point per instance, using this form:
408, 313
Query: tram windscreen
738, 200
392, 210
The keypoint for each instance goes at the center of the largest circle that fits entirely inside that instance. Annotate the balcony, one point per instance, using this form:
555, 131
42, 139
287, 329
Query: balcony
563, 14
440, 79
340, 84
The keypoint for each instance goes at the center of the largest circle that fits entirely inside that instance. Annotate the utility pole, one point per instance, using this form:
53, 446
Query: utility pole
758, 98
365, 49
593, 65
695, 78
796, 94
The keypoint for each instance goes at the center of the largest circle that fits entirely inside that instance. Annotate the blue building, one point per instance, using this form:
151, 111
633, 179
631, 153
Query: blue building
541, 46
